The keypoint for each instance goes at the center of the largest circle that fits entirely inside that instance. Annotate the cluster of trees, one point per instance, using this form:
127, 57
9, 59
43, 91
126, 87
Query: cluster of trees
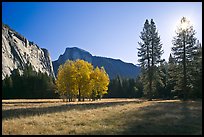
182, 75
79, 79
124, 88
30, 84
134, 88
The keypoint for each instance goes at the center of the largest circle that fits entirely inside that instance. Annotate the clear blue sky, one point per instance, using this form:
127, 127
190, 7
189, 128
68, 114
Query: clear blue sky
107, 29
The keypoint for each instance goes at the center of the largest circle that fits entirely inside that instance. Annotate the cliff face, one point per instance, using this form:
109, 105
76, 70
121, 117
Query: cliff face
113, 67
17, 51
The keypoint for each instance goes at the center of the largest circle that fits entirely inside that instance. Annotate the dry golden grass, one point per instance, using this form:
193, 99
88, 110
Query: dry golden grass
108, 116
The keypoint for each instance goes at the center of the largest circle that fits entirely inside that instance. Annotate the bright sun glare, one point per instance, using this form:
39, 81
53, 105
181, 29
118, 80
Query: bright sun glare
184, 23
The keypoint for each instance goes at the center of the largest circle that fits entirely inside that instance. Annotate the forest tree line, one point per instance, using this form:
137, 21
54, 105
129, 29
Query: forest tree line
29, 85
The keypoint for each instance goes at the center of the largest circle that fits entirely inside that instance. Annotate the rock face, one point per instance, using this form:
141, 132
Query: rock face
17, 51
113, 67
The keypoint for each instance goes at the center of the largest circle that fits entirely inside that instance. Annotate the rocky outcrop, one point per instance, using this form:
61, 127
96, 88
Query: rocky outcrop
17, 51
113, 67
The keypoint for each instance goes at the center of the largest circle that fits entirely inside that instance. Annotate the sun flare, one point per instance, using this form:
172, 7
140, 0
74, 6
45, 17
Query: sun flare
184, 23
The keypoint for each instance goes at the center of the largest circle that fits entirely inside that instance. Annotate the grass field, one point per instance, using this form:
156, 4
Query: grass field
107, 116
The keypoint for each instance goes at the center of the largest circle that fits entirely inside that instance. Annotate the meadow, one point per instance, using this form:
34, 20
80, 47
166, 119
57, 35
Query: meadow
101, 117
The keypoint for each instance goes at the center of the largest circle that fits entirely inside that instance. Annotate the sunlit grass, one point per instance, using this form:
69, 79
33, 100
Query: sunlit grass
109, 116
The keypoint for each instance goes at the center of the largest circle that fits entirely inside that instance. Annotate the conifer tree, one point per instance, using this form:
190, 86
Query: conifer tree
150, 53
184, 50
171, 75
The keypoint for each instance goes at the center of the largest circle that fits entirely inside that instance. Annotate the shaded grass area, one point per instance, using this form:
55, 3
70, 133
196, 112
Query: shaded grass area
166, 118
117, 118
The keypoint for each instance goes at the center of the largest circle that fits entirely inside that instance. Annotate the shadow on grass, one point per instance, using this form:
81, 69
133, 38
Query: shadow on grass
24, 112
164, 118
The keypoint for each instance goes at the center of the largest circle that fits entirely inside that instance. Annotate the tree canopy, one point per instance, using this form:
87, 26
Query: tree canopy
79, 79
149, 54
187, 58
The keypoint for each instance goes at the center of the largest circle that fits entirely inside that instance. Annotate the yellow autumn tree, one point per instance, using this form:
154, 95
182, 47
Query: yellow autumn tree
66, 80
95, 82
79, 79
104, 82
84, 69
60, 81
100, 82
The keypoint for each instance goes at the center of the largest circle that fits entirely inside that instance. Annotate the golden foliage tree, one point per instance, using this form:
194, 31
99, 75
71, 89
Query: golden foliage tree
79, 79
101, 82
84, 69
66, 80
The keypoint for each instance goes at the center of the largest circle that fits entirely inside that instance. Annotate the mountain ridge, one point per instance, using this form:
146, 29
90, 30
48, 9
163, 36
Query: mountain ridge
94, 55
114, 67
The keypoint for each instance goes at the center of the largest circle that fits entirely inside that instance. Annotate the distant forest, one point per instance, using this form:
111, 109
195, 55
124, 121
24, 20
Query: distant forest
30, 85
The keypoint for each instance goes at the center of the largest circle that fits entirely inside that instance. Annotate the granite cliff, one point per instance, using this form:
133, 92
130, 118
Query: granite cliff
17, 51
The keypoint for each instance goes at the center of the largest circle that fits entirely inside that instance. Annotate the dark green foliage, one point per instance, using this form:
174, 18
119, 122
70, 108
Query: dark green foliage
29, 85
162, 85
150, 52
124, 88
195, 72
182, 76
188, 60
171, 76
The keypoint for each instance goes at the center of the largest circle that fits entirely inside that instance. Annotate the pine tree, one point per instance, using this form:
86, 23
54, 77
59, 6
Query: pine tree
184, 49
172, 74
150, 56
195, 71
162, 91
139, 87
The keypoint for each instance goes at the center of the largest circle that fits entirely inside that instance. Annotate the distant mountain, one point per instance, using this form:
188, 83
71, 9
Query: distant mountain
17, 51
113, 67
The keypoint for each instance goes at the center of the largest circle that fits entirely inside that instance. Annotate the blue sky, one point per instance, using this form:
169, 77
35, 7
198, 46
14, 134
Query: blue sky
107, 29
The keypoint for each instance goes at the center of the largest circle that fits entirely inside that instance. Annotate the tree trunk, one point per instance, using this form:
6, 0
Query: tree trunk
149, 77
93, 96
184, 70
79, 98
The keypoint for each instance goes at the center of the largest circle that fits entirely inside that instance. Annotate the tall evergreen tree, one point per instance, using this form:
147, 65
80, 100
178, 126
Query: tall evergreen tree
195, 70
150, 52
184, 49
